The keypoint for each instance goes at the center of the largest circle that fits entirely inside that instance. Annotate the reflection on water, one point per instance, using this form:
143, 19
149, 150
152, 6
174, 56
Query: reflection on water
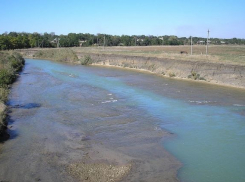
72, 112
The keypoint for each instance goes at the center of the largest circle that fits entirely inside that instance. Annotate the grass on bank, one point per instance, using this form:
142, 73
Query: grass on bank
63, 55
10, 64
224, 54
86, 60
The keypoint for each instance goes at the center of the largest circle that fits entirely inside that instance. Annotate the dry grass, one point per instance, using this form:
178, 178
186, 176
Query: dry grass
217, 53
63, 55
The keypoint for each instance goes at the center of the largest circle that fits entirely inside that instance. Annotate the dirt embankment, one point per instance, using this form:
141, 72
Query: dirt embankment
222, 74
217, 73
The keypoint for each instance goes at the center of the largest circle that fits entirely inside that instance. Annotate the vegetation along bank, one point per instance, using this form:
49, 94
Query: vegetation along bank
228, 75
217, 72
10, 64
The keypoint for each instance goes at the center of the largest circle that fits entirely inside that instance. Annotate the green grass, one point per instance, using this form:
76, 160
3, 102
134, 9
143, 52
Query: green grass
10, 64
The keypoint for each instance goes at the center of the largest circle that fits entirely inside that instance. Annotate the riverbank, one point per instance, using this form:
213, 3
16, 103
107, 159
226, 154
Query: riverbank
96, 132
10, 64
230, 72
215, 73
112, 124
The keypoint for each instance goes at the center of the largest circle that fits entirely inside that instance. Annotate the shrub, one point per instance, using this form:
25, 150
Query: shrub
195, 76
11, 63
7, 76
3, 94
171, 74
87, 60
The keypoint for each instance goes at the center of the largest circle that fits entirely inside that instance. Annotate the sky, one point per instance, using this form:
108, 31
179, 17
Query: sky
183, 18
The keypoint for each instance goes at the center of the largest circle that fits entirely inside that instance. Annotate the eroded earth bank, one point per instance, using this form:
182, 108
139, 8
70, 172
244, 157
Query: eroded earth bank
205, 71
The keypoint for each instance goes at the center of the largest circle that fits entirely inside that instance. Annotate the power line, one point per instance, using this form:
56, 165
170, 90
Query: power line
191, 45
104, 41
207, 44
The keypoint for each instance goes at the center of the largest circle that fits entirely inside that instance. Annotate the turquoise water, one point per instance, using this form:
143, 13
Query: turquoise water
209, 131
210, 143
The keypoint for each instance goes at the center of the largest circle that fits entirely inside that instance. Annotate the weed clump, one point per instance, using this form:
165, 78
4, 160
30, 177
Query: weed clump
86, 60
195, 76
171, 74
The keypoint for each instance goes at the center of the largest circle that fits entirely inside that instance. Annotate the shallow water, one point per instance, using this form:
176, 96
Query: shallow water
60, 112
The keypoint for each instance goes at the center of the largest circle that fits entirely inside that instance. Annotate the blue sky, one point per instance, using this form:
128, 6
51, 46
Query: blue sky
184, 18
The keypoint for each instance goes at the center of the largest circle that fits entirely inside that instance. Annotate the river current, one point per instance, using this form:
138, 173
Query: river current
167, 129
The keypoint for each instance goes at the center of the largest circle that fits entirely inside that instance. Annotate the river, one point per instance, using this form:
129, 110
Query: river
78, 123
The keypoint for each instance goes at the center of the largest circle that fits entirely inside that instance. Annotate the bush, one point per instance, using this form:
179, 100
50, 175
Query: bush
4, 94
11, 63
7, 76
195, 76
87, 60
171, 74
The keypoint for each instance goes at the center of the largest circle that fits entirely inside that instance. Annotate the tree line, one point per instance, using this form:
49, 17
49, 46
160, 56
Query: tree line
14, 40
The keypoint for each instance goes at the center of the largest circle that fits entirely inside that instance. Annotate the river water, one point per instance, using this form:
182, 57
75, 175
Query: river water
164, 129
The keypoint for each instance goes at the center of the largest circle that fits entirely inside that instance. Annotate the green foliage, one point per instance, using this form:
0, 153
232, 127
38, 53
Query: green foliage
10, 64
7, 77
15, 40
3, 94
87, 60
195, 76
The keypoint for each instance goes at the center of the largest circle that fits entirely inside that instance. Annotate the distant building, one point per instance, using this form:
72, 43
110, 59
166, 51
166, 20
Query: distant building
81, 42
54, 41
201, 42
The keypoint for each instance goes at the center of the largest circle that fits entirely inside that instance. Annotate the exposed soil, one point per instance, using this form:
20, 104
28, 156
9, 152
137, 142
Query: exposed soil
215, 72
221, 74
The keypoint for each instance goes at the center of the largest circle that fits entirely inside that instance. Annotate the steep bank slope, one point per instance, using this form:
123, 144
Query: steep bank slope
218, 73
228, 75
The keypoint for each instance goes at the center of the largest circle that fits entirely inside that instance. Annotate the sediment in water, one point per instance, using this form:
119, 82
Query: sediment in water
215, 73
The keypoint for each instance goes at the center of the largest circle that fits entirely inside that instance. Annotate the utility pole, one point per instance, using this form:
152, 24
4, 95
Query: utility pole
207, 44
135, 41
162, 41
191, 45
58, 42
104, 41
